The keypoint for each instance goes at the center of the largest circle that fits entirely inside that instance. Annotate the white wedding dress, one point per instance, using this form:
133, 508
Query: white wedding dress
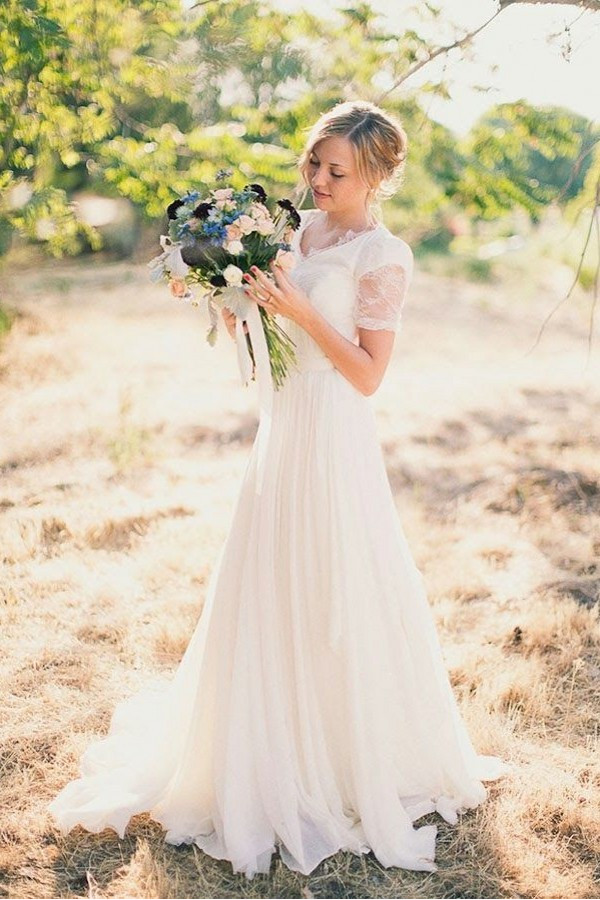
312, 710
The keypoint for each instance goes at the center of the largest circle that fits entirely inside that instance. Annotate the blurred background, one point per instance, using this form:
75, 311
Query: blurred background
110, 109
124, 435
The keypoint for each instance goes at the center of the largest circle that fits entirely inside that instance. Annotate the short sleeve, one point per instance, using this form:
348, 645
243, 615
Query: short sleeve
383, 274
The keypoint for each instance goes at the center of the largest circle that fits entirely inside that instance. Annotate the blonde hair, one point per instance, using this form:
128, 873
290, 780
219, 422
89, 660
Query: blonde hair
379, 142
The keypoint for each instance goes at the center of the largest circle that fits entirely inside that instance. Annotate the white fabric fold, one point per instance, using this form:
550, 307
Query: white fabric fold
312, 711
265, 387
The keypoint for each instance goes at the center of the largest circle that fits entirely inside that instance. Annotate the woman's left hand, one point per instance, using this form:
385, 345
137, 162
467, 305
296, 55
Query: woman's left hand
285, 298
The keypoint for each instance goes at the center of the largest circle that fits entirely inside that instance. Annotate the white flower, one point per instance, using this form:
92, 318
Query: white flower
285, 259
246, 224
235, 247
233, 275
225, 204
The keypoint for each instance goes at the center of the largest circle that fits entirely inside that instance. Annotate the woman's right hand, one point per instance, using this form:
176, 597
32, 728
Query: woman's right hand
229, 319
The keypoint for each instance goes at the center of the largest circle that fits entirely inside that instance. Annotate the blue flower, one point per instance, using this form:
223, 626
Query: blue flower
219, 238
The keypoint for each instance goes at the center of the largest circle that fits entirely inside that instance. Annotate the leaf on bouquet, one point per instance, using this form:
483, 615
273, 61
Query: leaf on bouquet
236, 300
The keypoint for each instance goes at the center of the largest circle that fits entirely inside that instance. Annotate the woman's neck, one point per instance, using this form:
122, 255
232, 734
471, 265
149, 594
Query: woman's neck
343, 221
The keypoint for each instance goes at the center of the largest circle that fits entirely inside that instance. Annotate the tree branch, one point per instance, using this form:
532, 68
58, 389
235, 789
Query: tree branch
596, 283
593, 219
593, 5
575, 170
440, 50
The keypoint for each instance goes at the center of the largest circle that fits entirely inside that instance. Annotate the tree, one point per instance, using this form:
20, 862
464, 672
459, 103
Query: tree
151, 100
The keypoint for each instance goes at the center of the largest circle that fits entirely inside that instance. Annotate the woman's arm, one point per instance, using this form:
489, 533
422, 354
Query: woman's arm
363, 365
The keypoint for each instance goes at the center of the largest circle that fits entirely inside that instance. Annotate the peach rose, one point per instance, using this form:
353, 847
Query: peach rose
178, 287
234, 232
285, 259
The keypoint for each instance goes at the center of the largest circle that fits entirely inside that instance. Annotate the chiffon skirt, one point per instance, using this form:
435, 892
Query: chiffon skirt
312, 710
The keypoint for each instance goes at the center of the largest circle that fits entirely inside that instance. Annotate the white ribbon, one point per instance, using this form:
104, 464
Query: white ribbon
247, 311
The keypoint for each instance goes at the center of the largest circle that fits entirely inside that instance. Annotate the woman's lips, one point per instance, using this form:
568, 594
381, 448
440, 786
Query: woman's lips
319, 194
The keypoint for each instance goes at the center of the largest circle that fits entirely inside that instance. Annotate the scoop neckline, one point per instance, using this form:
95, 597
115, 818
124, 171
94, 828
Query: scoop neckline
318, 250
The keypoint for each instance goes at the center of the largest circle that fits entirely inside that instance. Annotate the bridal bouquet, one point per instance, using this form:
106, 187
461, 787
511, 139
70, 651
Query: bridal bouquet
212, 241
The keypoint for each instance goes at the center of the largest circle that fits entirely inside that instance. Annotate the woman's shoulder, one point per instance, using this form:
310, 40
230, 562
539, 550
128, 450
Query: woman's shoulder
393, 241
382, 247
306, 214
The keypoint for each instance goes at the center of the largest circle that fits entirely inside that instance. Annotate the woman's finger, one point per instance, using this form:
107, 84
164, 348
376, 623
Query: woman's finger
283, 283
250, 284
258, 296
280, 273
264, 282
257, 299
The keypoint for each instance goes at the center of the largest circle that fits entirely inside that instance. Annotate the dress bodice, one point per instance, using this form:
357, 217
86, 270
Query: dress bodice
332, 277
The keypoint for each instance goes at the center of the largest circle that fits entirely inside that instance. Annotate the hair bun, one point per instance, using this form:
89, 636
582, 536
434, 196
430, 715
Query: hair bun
379, 141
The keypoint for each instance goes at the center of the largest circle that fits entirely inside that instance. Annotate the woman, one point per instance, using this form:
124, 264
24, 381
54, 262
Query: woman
311, 711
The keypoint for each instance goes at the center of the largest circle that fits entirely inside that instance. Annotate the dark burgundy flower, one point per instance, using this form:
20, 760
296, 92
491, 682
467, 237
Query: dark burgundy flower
257, 189
218, 281
173, 207
202, 210
292, 212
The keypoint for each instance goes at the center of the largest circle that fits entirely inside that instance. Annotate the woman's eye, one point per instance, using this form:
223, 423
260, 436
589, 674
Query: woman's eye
313, 162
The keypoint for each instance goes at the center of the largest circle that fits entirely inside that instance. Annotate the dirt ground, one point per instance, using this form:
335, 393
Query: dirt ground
124, 437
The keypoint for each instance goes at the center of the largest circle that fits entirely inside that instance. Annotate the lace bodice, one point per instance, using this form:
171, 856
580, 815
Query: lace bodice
348, 235
359, 281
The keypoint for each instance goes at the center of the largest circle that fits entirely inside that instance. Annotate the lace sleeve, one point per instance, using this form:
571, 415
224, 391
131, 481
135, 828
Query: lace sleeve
381, 297
383, 276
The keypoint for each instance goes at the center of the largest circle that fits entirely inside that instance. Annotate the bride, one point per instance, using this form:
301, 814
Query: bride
311, 711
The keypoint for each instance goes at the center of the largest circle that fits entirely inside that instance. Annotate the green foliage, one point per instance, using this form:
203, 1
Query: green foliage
146, 101
5, 322
501, 159
70, 70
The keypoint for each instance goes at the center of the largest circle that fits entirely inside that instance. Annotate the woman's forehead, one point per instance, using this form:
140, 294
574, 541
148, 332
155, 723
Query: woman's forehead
335, 149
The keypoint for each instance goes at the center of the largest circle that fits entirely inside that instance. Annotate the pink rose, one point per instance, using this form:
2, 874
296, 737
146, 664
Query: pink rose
265, 226
259, 211
246, 224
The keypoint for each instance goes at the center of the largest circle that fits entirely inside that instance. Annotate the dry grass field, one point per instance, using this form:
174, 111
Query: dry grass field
124, 437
